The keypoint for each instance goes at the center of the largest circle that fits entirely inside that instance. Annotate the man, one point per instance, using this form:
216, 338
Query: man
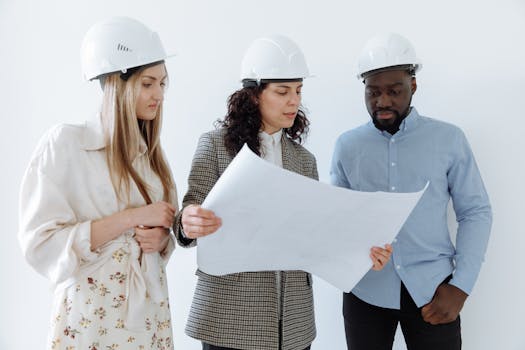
428, 279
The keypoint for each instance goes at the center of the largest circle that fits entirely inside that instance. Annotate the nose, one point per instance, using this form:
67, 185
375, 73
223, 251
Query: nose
384, 101
158, 93
295, 99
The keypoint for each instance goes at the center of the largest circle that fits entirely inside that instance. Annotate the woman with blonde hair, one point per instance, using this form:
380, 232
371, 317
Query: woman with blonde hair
98, 199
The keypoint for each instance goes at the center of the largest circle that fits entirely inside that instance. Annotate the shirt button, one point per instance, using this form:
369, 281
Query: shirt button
395, 240
392, 140
393, 188
398, 267
393, 164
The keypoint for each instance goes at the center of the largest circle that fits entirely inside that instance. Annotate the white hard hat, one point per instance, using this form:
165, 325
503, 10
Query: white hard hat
117, 44
387, 50
273, 57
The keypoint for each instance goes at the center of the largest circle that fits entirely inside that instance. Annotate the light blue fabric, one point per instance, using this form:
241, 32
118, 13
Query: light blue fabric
424, 149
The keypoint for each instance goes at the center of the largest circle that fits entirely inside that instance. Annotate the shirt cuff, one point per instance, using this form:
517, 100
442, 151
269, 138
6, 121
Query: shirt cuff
82, 242
462, 282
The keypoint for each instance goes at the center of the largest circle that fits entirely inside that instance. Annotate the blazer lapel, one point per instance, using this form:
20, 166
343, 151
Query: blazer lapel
291, 159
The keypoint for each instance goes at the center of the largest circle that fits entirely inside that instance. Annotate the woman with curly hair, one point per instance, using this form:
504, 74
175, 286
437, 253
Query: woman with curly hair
252, 310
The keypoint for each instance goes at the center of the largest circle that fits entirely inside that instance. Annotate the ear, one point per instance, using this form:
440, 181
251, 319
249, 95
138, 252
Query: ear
413, 85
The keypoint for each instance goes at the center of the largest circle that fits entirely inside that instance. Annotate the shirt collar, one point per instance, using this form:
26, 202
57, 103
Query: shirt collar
409, 122
274, 138
93, 138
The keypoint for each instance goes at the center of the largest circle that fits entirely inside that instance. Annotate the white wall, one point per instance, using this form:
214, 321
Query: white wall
473, 75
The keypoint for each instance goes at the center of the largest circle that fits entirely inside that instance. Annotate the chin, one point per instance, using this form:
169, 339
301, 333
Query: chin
146, 117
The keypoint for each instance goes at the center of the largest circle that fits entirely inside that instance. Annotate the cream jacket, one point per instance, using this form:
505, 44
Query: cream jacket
66, 186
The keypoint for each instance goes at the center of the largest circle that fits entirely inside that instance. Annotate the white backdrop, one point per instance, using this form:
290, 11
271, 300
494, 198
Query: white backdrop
473, 73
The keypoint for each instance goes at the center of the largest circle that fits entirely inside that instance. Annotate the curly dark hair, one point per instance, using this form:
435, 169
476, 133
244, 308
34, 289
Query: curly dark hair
243, 121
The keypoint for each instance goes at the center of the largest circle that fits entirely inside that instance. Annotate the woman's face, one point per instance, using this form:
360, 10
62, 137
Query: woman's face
278, 104
152, 82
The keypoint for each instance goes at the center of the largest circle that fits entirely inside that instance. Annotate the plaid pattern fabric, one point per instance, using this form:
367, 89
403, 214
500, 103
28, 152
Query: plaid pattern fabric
240, 310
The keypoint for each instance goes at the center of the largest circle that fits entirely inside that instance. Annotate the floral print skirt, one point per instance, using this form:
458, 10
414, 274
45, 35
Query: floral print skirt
91, 314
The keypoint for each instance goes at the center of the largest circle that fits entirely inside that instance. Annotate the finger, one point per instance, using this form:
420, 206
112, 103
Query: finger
171, 207
201, 221
200, 211
168, 220
147, 249
427, 311
199, 231
435, 319
380, 252
377, 262
139, 238
159, 235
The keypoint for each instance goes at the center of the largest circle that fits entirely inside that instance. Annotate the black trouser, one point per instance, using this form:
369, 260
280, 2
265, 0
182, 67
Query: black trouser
213, 347
369, 327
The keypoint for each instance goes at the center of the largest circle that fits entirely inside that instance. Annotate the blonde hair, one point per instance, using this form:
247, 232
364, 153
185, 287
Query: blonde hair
123, 132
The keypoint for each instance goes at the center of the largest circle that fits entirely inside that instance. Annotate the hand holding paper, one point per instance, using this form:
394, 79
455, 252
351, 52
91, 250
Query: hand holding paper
274, 219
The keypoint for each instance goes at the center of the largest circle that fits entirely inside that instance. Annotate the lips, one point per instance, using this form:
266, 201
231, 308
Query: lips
385, 114
290, 115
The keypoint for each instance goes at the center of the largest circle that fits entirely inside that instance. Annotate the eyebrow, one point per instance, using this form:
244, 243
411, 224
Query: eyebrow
390, 86
154, 78
288, 87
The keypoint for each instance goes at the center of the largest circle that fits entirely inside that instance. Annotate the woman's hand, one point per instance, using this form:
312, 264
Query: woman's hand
153, 239
380, 256
160, 214
198, 222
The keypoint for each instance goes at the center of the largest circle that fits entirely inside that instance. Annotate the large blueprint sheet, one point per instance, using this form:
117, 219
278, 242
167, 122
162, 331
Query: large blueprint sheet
274, 219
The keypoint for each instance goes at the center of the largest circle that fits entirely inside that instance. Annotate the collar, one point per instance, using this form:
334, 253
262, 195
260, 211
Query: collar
274, 138
93, 137
410, 122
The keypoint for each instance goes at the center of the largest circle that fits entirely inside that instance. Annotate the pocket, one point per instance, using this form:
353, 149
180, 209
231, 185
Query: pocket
233, 277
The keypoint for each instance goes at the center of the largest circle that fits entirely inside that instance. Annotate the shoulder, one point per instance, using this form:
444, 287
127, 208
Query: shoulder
441, 129
57, 149
213, 137
60, 139
357, 135
211, 144
215, 134
65, 133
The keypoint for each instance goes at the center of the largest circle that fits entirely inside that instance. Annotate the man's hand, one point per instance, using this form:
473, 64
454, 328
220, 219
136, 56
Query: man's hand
445, 305
380, 256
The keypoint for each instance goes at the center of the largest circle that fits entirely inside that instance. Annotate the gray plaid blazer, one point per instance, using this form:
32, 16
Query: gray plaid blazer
240, 310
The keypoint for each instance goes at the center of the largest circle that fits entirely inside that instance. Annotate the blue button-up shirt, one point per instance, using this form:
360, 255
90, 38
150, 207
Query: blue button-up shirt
424, 149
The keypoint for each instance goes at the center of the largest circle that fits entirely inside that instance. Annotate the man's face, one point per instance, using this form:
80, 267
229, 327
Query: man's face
387, 96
